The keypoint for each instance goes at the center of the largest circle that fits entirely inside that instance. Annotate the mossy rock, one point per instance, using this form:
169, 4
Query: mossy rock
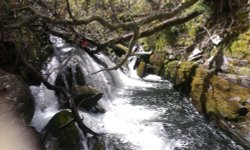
171, 69
222, 92
185, 71
141, 70
197, 87
86, 97
86, 90
180, 73
221, 97
157, 58
62, 132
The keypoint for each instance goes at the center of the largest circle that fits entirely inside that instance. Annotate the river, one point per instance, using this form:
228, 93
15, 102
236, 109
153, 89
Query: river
140, 114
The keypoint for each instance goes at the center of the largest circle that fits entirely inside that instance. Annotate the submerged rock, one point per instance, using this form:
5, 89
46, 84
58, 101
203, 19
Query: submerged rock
61, 132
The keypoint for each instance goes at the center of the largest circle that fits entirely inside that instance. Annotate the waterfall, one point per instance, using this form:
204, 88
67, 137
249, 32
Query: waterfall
139, 115
46, 104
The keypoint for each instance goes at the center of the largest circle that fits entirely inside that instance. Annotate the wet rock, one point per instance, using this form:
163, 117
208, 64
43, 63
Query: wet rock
156, 60
70, 76
87, 98
61, 132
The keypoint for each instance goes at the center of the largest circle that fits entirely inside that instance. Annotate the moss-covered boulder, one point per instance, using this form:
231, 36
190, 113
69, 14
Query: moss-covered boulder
157, 61
62, 133
198, 87
171, 69
87, 97
218, 97
180, 73
141, 70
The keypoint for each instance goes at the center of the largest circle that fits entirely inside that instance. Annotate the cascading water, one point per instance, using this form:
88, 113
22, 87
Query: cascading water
139, 115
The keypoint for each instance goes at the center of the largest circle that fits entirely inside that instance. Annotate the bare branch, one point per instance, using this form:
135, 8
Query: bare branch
126, 26
131, 44
156, 28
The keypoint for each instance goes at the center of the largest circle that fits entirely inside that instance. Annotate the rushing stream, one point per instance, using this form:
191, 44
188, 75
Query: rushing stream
141, 115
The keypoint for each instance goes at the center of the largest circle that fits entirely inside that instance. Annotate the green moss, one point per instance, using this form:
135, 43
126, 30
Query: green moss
141, 69
157, 59
219, 96
65, 132
211, 105
243, 102
244, 70
171, 70
239, 48
185, 71
197, 87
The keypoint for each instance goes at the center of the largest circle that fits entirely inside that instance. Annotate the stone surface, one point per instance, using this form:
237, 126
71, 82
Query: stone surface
87, 97
61, 132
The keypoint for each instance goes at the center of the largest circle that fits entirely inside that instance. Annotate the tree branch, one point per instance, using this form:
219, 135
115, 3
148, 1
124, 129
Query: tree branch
69, 10
132, 42
125, 26
156, 28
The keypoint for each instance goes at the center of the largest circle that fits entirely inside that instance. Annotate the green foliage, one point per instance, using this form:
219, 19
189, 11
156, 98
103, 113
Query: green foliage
240, 47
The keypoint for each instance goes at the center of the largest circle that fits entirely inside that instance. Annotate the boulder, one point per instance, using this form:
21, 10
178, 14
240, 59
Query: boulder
218, 96
180, 73
61, 132
87, 97
70, 76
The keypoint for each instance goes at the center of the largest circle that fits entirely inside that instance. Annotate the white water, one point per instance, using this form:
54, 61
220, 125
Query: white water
46, 105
